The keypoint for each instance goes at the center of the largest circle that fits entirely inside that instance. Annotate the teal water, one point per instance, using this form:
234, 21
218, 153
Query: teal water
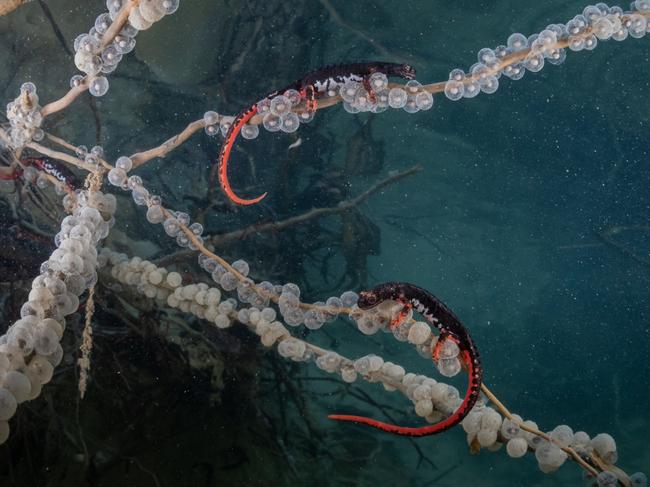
529, 219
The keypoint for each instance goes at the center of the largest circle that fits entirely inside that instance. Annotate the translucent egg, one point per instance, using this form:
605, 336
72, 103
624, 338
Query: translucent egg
378, 81
603, 28
174, 279
196, 228
412, 87
514, 71
210, 118
349, 298
280, 105
312, 320
290, 123
72, 264
268, 314
591, 42
249, 131
490, 85
556, 56
563, 434
40, 369
454, 90
172, 227
348, 374
20, 339
472, 423
362, 100
212, 130
18, 384
111, 56
242, 267
155, 214
98, 86
222, 321
182, 240
424, 100
621, 34
124, 44
88, 44
348, 90
605, 445
224, 125
576, 26
509, 429
456, 74
486, 438
42, 295
449, 367
45, 341
516, 447
8, 404
88, 63
116, 177
137, 20
411, 105
76, 80
472, 88
490, 420
329, 362
272, 122
228, 281
151, 10
113, 5
486, 55
102, 23
638, 479
517, 41
534, 62
638, 26
292, 348
306, 116
397, 98
213, 297
170, 6
294, 316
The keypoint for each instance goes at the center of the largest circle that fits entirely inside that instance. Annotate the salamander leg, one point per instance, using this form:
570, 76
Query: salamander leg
371, 92
309, 95
399, 318
435, 353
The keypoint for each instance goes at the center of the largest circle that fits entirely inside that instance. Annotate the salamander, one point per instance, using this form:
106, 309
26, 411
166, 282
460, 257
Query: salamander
53, 168
441, 317
313, 86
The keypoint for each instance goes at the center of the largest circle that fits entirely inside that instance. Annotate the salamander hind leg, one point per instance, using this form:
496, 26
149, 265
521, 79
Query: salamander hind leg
435, 353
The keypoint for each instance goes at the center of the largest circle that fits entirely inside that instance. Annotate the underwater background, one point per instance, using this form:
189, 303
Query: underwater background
529, 219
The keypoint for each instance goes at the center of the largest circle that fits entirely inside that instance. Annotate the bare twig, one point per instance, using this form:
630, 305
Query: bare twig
346, 205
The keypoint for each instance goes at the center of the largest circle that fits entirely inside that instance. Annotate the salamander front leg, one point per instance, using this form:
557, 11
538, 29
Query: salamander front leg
309, 94
371, 92
399, 318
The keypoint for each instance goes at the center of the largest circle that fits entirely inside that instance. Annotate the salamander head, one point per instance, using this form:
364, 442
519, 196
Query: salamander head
367, 299
406, 71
